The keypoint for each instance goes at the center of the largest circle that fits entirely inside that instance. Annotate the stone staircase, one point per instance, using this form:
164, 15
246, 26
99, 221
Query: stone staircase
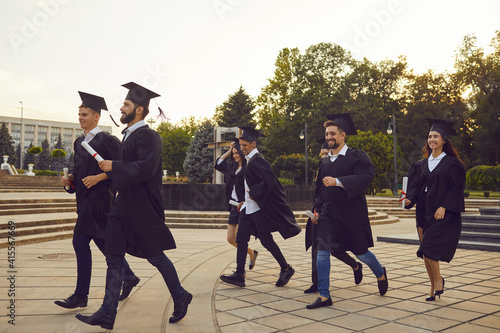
41, 220
23, 183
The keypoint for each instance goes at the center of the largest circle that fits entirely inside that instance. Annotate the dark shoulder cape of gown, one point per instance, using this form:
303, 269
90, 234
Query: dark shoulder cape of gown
343, 221
266, 190
137, 176
232, 179
445, 186
93, 204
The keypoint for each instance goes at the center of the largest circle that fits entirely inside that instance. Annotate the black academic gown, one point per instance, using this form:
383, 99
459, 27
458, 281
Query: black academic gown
92, 204
137, 176
445, 186
343, 221
232, 179
311, 228
266, 190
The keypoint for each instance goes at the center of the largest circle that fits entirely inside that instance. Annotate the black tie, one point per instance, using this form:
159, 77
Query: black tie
124, 132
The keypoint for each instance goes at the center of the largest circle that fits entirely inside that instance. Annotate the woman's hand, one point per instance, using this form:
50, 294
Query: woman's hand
439, 214
90, 181
407, 202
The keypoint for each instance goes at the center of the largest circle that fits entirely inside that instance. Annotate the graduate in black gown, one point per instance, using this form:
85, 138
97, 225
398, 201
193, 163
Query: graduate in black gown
343, 214
312, 242
436, 184
137, 222
93, 196
232, 164
265, 210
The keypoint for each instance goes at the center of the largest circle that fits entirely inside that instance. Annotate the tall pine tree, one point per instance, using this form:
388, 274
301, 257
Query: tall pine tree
199, 159
43, 162
236, 111
7, 145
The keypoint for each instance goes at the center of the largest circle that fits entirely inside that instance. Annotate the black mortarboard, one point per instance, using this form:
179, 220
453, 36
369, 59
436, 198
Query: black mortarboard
138, 94
443, 127
344, 121
93, 102
250, 134
323, 143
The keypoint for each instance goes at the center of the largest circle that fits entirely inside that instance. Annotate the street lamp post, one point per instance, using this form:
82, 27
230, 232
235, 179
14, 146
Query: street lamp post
302, 136
390, 130
21, 144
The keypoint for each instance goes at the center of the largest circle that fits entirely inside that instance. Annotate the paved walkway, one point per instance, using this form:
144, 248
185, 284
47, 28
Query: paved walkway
471, 302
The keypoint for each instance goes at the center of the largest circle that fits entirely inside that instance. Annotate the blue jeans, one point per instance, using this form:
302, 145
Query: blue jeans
371, 261
115, 274
323, 266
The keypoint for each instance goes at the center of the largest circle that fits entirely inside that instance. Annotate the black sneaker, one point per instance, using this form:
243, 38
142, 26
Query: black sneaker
383, 285
312, 289
235, 278
358, 274
285, 276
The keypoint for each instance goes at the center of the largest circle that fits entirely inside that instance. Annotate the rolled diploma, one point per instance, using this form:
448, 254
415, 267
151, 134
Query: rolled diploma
234, 203
310, 214
92, 151
65, 170
404, 188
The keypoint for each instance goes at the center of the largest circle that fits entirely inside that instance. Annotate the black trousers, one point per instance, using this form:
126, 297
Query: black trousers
256, 221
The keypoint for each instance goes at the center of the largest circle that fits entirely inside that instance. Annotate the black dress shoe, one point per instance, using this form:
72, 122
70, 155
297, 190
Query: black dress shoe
285, 276
383, 285
98, 319
181, 308
430, 298
312, 289
318, 303
235, 278
251, 265
358, 274
127, 287
74, 301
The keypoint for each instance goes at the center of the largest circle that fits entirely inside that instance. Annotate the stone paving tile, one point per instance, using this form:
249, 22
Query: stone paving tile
471, 328
356, 322
395, 327
247, 327
386, 313
489, 321
254, 312
284, 321
225, 318
484, 308
428, 322
318, 327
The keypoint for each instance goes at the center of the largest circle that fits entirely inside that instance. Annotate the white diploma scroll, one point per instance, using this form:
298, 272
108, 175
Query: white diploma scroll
310, 214
234, 203
65, 170
404, 188
92, 151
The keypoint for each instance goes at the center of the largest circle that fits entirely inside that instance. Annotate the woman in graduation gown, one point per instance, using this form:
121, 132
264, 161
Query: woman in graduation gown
232, 164
436, 184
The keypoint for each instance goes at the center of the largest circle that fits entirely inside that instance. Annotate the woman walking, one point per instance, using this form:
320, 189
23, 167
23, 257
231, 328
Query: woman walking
436, 184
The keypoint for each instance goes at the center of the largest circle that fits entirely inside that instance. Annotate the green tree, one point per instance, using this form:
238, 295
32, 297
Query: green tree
28, 158
58, 155
7, 145
380, 149
293, 167
35, 151
44, 159
199, 159
175, 143
236, 111
479, 74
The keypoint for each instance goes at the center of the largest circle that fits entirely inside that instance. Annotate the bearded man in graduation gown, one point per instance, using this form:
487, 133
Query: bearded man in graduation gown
137, 222
343, 223
265, 210
94, 197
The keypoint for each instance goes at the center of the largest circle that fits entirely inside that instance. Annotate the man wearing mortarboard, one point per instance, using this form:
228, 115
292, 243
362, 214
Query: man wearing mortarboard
265, 210
137, 222
93, 197
312, 235
343, 223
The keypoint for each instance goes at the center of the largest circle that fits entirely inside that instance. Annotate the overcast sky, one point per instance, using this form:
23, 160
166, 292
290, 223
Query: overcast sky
194, 53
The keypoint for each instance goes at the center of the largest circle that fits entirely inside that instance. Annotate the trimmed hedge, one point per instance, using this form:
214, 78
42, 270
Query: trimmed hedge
483, 178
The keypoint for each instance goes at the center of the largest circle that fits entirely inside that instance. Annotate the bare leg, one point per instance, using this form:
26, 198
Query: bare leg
428, 266
438, 279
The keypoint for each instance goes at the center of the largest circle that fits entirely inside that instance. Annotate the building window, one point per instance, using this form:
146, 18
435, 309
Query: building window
42, 135
54, 135
67, 134
29, 135
15, 130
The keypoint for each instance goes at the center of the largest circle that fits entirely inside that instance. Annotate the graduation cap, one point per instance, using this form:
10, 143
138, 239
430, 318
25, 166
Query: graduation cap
323, 143
138, 94
344, 121
443, 127
93, 102
250, 134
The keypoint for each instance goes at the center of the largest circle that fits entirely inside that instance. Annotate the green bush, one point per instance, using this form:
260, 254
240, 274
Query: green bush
285, 181
486, 194
466, 194
483, 177
45, 173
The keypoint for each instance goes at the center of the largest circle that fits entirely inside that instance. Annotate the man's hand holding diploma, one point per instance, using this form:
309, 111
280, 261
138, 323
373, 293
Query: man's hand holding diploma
106, 165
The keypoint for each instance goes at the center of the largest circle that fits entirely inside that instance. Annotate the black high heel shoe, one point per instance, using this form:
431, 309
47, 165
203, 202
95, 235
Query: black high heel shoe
440, 292
430, 298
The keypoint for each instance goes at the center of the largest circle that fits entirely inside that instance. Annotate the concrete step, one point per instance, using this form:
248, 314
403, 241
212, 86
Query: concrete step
484, 237
37, 210
4, 206
37, 230
31, 239
488, 219
481, 227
